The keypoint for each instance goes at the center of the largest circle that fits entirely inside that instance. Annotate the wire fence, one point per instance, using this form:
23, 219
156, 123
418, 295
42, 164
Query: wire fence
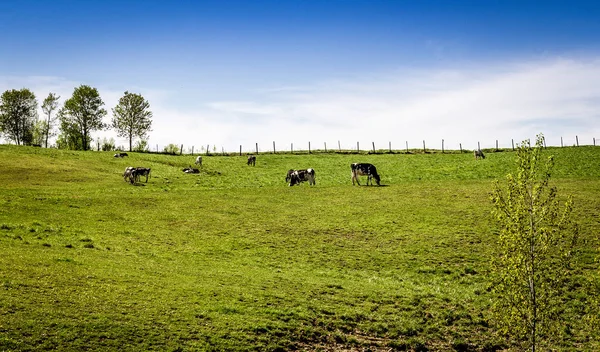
370, 148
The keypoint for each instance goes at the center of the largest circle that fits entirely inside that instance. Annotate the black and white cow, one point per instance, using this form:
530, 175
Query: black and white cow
251, 160
295, 177
140, 171
127, 173
364, 169
478, 154
199, 160
121, 155
190, 170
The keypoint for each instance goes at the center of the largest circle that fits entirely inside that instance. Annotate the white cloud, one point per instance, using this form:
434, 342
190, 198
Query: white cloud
482, 103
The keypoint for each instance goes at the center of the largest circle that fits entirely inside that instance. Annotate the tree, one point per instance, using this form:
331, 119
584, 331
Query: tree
132, 117
81, 115
50, 104
536, 244
38, 132
18, 113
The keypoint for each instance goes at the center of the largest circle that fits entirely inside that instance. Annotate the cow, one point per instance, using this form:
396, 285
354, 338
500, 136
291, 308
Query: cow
478, 154
120, 155
295, 177
199, 160
140, 171
251, 160
127, 173
190, 170
364, 169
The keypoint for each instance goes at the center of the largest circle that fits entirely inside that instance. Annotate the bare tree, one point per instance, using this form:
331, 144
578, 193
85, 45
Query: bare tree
50, 104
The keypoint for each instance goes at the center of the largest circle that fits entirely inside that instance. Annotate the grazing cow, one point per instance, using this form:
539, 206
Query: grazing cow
199, 160
289, 175
364, 169
120, 155
295, 177
190, 170
140, 171
478, 154
127, 173
251, 160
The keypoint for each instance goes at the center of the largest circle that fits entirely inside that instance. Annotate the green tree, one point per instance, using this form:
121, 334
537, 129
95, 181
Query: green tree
81, 115
39, 130
18, 113
535, 248
50, 104
132, 117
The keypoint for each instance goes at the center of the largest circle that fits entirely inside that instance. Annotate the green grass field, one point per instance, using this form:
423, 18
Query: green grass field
232, 259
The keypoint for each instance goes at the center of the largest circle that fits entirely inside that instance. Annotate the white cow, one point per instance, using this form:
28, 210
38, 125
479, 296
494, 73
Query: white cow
199, 160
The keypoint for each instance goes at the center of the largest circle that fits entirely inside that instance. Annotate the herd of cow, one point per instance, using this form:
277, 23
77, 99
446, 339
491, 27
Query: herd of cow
294, 177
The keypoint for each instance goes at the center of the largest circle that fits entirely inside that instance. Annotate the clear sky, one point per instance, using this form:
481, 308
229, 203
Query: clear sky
229, 73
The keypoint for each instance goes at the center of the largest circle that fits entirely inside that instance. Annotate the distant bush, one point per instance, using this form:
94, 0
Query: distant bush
171, 149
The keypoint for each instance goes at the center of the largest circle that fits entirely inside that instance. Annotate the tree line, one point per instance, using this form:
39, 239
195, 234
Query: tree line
74, 122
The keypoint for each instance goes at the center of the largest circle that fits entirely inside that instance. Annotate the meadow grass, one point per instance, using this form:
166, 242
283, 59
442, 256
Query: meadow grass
232, 259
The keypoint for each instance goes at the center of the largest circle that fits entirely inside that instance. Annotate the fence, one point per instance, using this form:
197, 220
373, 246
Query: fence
406, 149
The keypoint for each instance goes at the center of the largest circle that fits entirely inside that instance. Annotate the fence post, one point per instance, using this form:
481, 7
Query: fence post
577, 140
406, 147
339, 147
544, 138
240, 150
460, 146
207, 149
513, 144
496, 145
442, 146
594, 141
325, 146
308, 147
478, 146
390, 147
373, 147
157, 148
357, 148
192, 150
256, 148
273, 147
561, 142
292, 148
181, 150
424, 150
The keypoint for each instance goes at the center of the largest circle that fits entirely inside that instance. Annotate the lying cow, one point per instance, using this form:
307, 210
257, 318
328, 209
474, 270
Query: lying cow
120, 155
251, 160
199, 160
363, 169
190, 170
295, 177
478, 154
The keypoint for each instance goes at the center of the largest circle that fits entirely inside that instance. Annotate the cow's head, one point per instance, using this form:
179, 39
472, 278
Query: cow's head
289, 175
377, 179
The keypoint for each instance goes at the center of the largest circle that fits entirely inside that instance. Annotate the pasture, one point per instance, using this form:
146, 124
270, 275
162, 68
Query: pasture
232, 259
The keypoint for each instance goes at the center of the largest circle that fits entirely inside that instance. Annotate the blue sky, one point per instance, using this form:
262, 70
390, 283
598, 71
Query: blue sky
227, 73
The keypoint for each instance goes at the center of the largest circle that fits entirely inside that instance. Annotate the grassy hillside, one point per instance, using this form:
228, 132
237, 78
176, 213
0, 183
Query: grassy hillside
232, 259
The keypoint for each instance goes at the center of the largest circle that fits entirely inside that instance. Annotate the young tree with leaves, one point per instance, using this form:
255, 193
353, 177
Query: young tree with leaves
81, 115
132, 117
535, 248
18, 113
50, 104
